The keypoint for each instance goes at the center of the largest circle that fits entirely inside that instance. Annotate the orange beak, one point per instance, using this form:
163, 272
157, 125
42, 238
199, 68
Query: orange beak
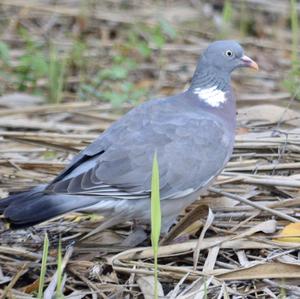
248, 62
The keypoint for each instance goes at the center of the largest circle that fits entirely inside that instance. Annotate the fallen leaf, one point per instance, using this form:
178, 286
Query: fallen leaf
196, 290
267, 227
263, 270
208, 223
34, 286
146, 284
290, 233
219, 202
187, 224
268, 114
15, 100
211, 259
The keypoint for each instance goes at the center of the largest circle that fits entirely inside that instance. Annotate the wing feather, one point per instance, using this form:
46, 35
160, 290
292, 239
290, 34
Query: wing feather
191, 149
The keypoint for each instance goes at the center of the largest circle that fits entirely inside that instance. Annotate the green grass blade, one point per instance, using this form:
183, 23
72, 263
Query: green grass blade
227, 16
43, 267
155, 219
59, 293
57, 67
227, 12
295, 31
292, 82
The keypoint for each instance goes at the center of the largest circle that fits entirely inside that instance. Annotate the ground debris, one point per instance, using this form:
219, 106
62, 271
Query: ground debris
229, 248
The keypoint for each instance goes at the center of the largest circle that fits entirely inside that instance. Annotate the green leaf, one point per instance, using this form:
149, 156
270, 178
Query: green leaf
144, 49
39, 65
227, 11
116, 72
295, 31
76, 56
167, 28
114, 97
4, 53
56, 72
292, 82
127, 87
158, 40
58, 293
155, 219
43, 267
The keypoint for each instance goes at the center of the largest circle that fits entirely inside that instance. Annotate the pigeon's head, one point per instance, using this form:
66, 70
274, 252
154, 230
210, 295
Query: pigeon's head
226, 55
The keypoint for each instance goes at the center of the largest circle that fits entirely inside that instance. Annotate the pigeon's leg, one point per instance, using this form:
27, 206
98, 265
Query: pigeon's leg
167, 222
136, 237
139, 235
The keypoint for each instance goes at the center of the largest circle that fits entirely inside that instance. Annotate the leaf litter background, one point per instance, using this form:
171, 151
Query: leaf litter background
227, 244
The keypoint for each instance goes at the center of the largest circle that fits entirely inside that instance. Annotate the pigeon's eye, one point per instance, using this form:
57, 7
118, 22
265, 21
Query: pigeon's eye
229, 53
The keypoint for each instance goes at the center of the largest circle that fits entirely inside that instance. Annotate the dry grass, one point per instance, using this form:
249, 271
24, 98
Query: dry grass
228, 243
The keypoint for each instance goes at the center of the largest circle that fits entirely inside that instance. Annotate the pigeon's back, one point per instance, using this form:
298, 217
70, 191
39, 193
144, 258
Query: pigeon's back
186, 135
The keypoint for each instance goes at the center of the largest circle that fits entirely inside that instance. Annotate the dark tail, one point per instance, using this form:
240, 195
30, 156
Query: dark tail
19, 197
33, 207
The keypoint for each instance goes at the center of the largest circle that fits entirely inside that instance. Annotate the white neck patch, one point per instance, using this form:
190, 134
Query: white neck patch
212, 95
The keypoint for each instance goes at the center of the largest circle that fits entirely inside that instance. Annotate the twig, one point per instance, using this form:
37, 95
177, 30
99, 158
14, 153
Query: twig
254, 205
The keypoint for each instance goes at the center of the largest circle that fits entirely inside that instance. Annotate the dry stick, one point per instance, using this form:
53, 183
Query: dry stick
48, 135
262, 179
279, 166
14, 280
53, 108
286, 109
86, 281
254, 205
70, 12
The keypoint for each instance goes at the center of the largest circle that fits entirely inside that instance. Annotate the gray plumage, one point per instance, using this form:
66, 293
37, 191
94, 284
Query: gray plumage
193, 138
